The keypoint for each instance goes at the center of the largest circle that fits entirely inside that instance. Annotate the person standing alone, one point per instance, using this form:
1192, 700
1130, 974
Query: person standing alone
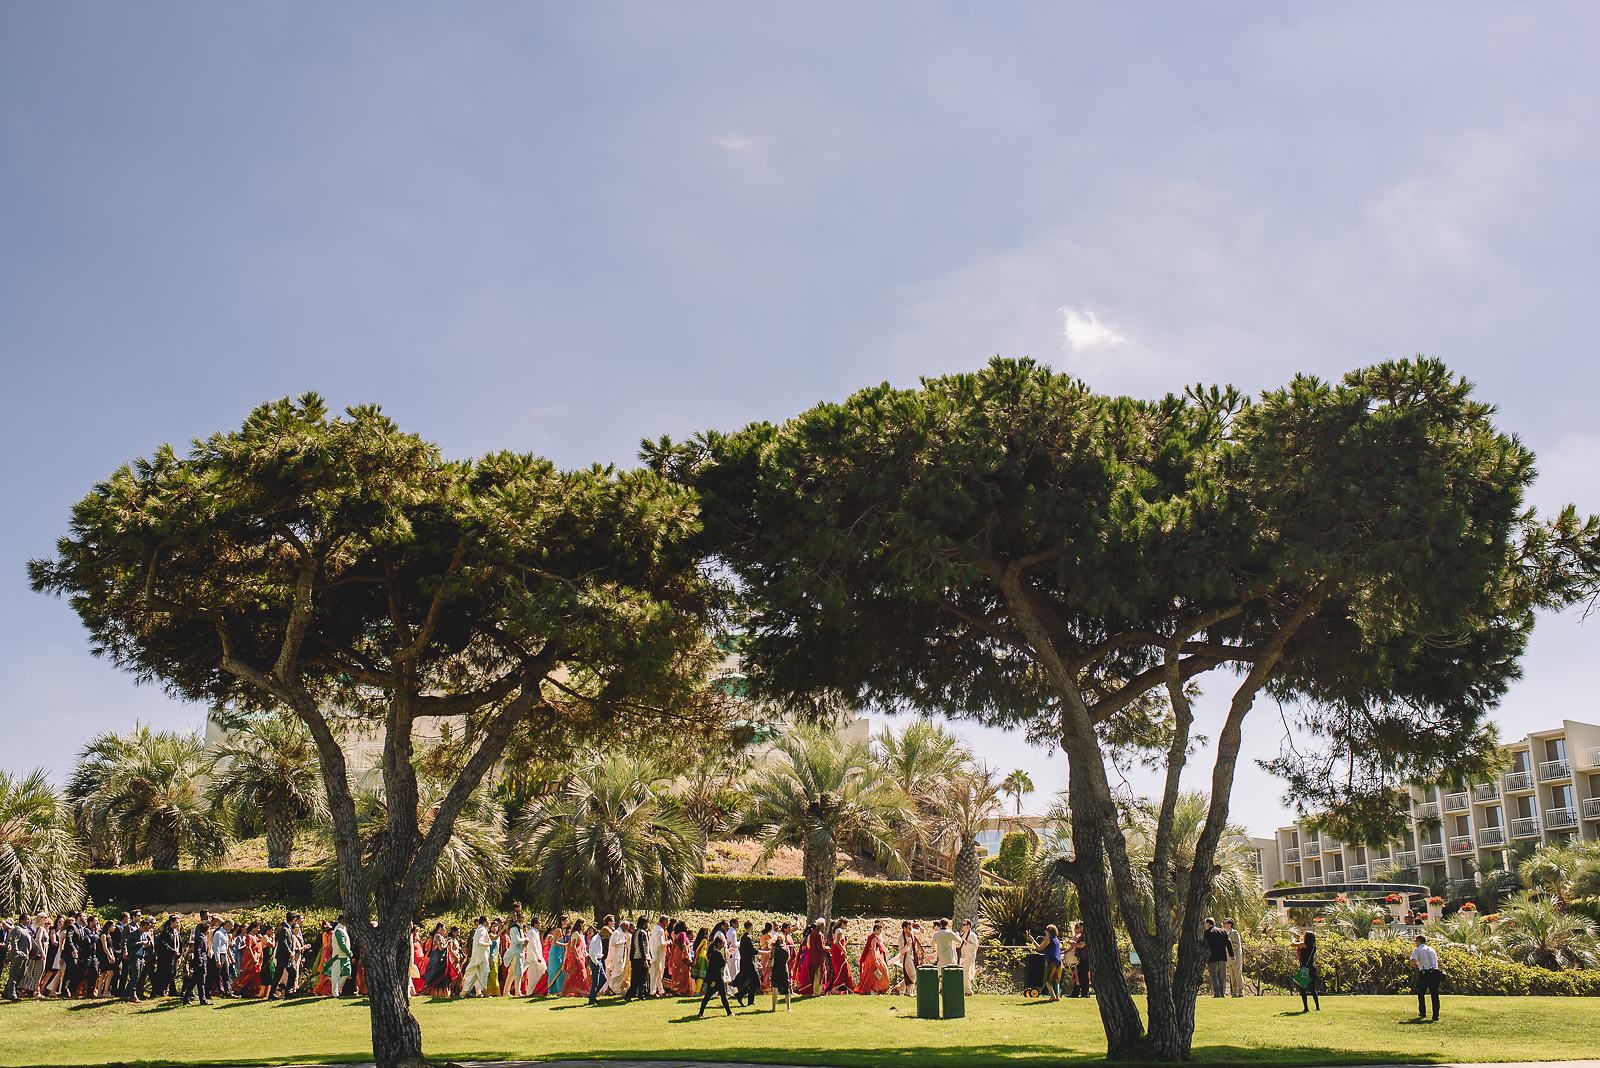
1429, 977
1219, 950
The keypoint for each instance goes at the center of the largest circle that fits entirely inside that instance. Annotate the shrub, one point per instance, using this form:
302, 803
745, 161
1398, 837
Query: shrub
205, 885
1383, 966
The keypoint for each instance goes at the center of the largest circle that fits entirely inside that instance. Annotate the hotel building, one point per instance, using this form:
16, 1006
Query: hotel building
1549, 793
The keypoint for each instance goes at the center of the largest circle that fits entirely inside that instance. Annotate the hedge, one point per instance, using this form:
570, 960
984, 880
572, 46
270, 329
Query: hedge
1383, 966
150, 887
851, 897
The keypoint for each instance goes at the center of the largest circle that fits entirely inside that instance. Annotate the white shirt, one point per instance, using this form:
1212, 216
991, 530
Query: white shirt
944, 943
480, 944
658, 942
597, 949
969, 948
1427, 958
535, 945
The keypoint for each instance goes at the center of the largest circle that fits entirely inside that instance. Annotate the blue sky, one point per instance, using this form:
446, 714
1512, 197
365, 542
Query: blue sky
562, 228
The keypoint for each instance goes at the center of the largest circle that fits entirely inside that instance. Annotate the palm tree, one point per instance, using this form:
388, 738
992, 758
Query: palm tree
1017, 785
1489, 887
710, 792
1537, 931
821, 792
267, 774
612, 838
971, 800
1467, 932
39, 855
146, 791
1354, 919
922, 761
1565, 872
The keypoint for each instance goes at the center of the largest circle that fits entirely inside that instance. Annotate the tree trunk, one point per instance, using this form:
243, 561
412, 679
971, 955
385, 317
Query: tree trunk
386, 957
1119, 1016
280, 839
821, 874
968, 878
163, 846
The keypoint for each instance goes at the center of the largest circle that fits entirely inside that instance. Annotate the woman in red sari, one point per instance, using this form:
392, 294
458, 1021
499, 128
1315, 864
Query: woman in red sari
249, 981
873, 970
814, 962
680, 963
575, 965
839, 981
324, 984
419, 959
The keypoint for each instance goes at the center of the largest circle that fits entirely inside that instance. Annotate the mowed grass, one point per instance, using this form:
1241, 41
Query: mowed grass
842, 1031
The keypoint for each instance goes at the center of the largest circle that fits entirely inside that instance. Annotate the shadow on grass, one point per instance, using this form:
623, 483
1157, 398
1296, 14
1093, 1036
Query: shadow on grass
1019, 1055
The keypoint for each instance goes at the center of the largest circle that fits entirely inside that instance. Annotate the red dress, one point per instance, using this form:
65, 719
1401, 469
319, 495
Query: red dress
575, 968
249, 981
873, 969
839, 981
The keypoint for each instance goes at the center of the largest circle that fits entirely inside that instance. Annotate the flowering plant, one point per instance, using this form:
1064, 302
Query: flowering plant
1436, 900
1340, 897
1491, 917
1394, 899
1320, 919
1378, 919
1469, 907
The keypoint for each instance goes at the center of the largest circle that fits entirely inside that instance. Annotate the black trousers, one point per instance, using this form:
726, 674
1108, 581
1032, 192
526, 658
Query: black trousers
715, 985
1427, 984
639, 981
194, 979
166, 976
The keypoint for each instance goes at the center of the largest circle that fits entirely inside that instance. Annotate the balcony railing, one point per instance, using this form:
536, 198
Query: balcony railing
1358, 873
1559, 819
1291, 855
1486, 791
1461, 843
1311, 849
1427, 811
1406, 858
1591, 808
1491, 836
1555, 769
1594, 757
1430, 852
1311, 880
1455, 802
1517, 782
1525, 827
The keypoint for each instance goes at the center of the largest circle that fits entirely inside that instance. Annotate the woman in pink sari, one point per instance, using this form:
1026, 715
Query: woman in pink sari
873, 970
679, 981
839, 981
575, 965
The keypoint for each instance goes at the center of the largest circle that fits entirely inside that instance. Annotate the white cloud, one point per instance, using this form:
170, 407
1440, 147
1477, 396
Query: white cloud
1084, 330
738, 144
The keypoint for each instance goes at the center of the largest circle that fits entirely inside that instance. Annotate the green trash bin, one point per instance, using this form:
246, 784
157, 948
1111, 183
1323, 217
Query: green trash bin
954, 993
927, 993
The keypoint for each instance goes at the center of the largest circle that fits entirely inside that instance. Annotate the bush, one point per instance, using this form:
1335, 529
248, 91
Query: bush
1383, 966
1014, 859
205, 885
851, 897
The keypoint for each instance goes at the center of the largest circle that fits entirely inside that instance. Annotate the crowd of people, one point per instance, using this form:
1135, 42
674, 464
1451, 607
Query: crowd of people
137, 957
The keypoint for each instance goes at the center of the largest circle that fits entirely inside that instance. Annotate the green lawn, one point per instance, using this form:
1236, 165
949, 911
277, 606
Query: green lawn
843, 1031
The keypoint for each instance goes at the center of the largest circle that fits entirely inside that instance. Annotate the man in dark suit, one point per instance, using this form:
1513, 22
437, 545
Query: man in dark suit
286, 958
716, 962
639, 960
747, 984
194, 980
119, 954
1218, 950
169, 947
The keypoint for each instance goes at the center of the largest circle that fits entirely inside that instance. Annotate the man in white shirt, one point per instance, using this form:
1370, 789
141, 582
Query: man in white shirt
476, 983
597, 961
946, 945
1426, 960
656, 951
1236, 961
617, 959
967, 953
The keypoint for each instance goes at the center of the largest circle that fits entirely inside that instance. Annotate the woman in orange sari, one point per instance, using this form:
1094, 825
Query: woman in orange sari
249, 982
873, 969
324, 985
575, 966
680, 964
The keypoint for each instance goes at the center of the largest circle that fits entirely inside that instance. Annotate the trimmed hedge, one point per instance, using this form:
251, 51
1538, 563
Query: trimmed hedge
1383, 966
851, 897
150, 887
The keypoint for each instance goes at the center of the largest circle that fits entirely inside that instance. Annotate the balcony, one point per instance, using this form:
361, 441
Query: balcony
1455, 802
1525, 827
1594, 757
1311, 849
1460, 844
1428, 811
1291, 855
1358, 872
1551, 770
1491, 836
1591, 808
1311, 880
1431, 852
1405, 859
1517, 782
1560, 819
1485, 791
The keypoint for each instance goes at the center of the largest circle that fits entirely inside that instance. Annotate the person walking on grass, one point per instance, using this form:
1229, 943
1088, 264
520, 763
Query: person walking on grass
1429, 978
716, 960
1050, 946
1219, 949
781, 949
1235, 959
1308, 979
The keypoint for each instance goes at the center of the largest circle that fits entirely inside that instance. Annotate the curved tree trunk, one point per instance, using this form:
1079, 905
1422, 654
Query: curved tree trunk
968, 878
280, 839
163, 840
821, 875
